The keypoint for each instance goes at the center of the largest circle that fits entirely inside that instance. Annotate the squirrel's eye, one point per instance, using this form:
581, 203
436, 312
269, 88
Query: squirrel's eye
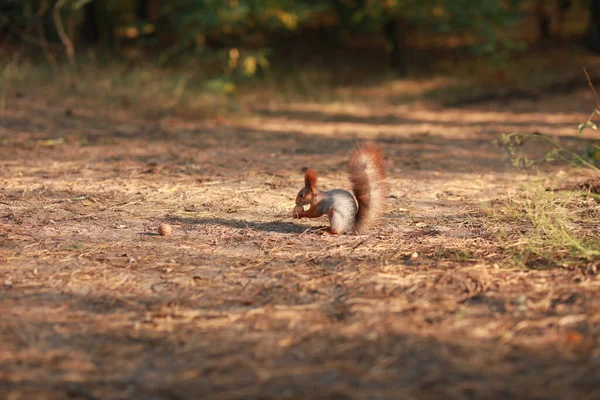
301, 195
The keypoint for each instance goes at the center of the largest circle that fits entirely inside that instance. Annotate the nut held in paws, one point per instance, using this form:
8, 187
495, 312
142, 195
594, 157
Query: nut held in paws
164, 230
297, 210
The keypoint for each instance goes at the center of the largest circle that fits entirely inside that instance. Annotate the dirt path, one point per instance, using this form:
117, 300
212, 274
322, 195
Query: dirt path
244, 302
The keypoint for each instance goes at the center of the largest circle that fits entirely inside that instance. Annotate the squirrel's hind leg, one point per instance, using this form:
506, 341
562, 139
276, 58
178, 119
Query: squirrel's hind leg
339, 223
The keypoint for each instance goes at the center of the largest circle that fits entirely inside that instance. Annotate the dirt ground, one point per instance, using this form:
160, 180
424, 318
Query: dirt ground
242, 301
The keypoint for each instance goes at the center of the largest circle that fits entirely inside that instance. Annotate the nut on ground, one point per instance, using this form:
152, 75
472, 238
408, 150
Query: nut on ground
164, 229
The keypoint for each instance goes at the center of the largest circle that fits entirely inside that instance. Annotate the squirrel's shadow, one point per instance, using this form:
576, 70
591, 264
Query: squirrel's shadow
275, 226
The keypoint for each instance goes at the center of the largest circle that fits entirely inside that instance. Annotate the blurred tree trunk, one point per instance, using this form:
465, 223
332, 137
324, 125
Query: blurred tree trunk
90, 32
593, 35
394, 38
97, 26
148, 10
346, 12
544, 18
563, 6
143, 10
543, 21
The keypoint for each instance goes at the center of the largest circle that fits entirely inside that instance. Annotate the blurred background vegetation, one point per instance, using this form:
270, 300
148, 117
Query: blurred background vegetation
229, 42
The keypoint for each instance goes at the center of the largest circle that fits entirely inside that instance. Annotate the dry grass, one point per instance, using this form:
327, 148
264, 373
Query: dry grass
547, 229
241, 301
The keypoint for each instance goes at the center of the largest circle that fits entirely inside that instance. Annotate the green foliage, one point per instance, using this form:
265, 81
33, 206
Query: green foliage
228, 21
490, 20
232, 33
237, 34
515, 143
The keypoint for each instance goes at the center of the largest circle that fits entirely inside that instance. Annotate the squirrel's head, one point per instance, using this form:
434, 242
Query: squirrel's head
307, 194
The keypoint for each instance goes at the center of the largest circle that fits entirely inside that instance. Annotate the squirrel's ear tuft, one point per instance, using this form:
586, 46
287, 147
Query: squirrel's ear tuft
310, 180
304, 169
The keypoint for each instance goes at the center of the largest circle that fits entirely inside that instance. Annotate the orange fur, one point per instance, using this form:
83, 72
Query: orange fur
310, 180
367, 175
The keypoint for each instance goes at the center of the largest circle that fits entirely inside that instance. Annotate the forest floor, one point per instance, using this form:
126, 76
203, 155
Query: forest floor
478, 283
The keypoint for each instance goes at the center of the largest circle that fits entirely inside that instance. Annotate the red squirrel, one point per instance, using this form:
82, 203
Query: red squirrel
348, 212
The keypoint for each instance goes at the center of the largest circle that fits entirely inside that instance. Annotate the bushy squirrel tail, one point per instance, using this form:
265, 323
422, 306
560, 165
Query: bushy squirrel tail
367, 175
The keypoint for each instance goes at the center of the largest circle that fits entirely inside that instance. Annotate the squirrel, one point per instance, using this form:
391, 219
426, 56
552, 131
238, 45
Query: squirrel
348, 212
